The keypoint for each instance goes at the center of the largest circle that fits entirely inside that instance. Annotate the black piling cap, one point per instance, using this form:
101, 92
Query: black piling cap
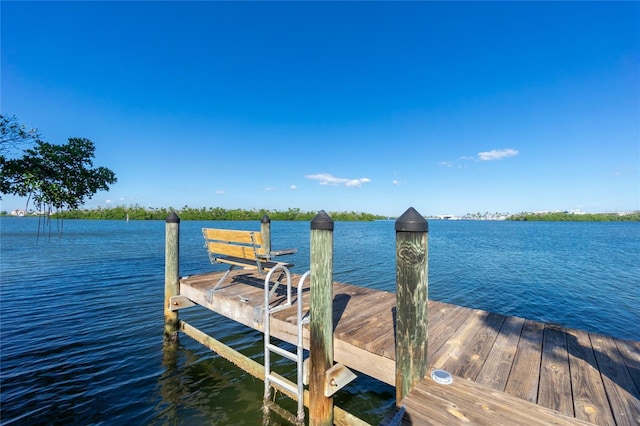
172, 218
322, 221
265, 219
411, 221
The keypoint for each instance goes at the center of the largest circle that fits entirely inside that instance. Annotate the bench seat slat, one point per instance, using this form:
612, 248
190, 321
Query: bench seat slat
238, 261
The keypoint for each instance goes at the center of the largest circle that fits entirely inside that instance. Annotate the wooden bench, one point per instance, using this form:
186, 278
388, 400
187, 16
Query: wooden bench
245, 249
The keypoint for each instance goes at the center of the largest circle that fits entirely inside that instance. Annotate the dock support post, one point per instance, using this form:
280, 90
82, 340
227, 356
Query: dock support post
411, 301
171, 276
265, 230
321, 319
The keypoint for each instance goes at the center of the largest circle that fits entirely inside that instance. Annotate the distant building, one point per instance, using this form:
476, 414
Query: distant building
448, 217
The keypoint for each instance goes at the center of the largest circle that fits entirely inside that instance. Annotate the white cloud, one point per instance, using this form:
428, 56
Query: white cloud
494, 154
327, 179
293, 187
395, 182
108, 201
269, 189
497, 154
220, 192
357, 183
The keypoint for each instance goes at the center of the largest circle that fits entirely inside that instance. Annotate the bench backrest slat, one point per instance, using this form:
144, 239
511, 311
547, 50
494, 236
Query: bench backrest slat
239, 237
245, 252
243, 244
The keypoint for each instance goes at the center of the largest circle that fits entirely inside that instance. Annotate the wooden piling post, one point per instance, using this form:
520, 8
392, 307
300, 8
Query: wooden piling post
411, 301
171, 276
321, 319
265, 230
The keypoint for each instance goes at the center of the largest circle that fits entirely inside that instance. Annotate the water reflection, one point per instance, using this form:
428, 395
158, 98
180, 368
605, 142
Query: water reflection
199, 390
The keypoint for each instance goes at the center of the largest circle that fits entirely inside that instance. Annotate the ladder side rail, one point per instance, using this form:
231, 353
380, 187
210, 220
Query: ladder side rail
300, 349
267, 341
288, 289
268, 378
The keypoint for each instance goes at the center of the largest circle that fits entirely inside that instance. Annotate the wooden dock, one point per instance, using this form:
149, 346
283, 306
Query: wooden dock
506, 370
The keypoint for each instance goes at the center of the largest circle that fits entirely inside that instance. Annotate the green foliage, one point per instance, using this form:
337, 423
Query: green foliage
56, 176
14, 136
572, 217
52, 176
212, 213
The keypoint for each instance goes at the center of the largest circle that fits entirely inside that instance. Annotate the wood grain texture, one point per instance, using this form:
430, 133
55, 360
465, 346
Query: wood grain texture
621, 389
411, 310
321, 326
594, 377
239, 237
467, 402
171, 279
589, 397
524, 378
230, 242
497, 367
628, 350
555, 380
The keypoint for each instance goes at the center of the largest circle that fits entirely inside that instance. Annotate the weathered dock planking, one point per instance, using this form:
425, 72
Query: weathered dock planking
505, 368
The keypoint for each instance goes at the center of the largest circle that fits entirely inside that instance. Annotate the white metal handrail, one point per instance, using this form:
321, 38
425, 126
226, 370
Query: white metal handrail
298, 357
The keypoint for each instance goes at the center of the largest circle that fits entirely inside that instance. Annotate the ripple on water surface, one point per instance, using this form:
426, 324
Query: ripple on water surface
82, 314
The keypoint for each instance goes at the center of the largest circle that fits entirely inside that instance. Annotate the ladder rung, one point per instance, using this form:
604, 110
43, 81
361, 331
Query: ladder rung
283, 383
285, 353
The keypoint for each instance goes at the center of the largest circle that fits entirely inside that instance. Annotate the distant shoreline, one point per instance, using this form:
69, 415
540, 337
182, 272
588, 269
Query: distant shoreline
574, 217
211, 213
294, 214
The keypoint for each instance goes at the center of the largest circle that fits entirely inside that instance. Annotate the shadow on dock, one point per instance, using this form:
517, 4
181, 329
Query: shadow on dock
584, 375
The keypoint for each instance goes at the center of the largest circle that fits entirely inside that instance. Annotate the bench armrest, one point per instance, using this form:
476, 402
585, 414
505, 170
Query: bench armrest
283, 252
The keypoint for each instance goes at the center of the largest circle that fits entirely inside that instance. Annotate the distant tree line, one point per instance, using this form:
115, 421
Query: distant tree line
580, 217
212, 213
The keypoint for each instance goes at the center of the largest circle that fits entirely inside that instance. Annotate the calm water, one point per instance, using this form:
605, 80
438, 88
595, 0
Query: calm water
81, 316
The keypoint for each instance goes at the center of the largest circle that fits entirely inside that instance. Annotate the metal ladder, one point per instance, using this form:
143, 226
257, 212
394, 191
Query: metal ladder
269, 378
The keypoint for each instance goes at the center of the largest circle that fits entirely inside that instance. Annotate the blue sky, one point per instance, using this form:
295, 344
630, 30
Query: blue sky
448, 107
